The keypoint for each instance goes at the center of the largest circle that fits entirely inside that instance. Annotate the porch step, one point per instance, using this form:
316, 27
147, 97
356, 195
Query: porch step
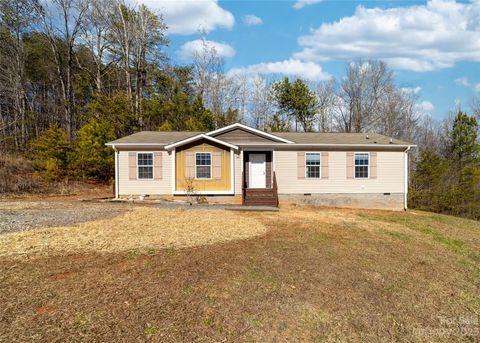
260, 197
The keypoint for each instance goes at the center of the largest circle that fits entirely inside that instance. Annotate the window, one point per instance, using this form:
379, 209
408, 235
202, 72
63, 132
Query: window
361, 165
203, 165
145, 166
312, 165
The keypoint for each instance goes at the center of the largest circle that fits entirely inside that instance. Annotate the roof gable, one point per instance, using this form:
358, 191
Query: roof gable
237, 126
241, 136
197, 138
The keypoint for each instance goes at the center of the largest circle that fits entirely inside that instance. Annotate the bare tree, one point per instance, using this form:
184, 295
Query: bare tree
62, 21
220, 92
327, 101
16, 17
95, 34
361, 91
260, 104
475, 106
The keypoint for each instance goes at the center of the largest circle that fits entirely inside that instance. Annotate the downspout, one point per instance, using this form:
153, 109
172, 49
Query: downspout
405, 192
116, 171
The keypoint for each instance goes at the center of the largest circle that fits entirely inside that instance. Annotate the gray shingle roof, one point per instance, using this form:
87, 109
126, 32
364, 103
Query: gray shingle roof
339, 138
155, 137
165, 138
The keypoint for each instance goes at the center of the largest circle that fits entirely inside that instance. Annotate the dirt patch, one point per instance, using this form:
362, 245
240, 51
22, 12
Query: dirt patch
141, 228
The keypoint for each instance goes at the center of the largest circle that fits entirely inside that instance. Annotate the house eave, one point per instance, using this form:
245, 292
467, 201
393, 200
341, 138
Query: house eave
249, 129
199, 137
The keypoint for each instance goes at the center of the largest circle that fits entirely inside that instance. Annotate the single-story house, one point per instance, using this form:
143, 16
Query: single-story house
338, 169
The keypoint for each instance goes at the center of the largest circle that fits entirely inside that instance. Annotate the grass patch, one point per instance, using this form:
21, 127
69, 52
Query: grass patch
397, 235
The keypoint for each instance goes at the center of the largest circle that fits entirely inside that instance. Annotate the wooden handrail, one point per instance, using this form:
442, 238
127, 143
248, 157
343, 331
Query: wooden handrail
243, 187
275, 188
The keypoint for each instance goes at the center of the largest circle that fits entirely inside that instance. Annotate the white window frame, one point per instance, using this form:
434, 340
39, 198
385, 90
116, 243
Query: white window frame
319, 167
153, 166
354, 165
211, 162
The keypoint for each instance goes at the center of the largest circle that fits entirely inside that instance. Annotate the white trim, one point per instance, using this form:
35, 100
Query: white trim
211, 167
354, 174
196, 138
205, 192
241, 160
405, 175
135, 144
320, 165
324, 145
250, 129
153, 165
174, 174
166, 147
116, 172
273, 164
232, 171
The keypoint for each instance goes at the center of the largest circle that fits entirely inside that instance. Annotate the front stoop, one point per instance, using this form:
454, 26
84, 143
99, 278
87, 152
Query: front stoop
247, 208
260, 197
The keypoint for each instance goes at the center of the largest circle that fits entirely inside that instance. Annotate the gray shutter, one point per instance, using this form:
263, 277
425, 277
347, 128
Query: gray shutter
217, 165
350, 165
301, 165
324, 165
189, 165
157, 165
373, 165
132, 165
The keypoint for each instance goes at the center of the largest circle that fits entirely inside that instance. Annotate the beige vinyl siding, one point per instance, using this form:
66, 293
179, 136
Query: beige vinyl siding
390, 178
237, 168
150, 187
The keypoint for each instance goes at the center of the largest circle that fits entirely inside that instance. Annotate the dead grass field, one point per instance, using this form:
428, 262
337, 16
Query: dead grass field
316, 275
141, 229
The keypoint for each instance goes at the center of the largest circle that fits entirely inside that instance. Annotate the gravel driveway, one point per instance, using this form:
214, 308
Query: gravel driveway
26, 215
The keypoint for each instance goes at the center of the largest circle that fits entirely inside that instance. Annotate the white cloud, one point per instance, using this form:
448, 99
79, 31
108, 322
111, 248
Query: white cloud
410, 90
463, 81
292, 67
189, 49
419, 37
302, 3
186, 17
425, 107
252, 20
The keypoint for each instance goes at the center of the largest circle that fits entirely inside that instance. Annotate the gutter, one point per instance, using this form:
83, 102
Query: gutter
405, 175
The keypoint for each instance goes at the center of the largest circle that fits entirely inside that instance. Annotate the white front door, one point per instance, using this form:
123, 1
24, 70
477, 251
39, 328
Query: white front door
257, 171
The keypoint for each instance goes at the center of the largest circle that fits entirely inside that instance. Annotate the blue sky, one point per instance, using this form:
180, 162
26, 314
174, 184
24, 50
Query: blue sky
433, 46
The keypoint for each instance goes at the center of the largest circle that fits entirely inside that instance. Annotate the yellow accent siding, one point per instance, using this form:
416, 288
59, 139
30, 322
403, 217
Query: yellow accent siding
222, 184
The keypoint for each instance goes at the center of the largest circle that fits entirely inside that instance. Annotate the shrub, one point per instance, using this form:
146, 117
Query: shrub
17, 175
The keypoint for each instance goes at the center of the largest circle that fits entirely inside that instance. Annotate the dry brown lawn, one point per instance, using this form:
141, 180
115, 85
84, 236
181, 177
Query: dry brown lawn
141, 229
315, 275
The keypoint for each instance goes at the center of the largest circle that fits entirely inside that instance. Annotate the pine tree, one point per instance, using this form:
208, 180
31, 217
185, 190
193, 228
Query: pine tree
51, 152
201, 119
93, 159
462, 141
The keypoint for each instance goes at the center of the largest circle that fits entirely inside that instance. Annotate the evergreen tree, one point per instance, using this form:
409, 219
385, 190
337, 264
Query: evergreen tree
93, 159
462, 141
51, 153
201, 119
296, 100
426, 191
